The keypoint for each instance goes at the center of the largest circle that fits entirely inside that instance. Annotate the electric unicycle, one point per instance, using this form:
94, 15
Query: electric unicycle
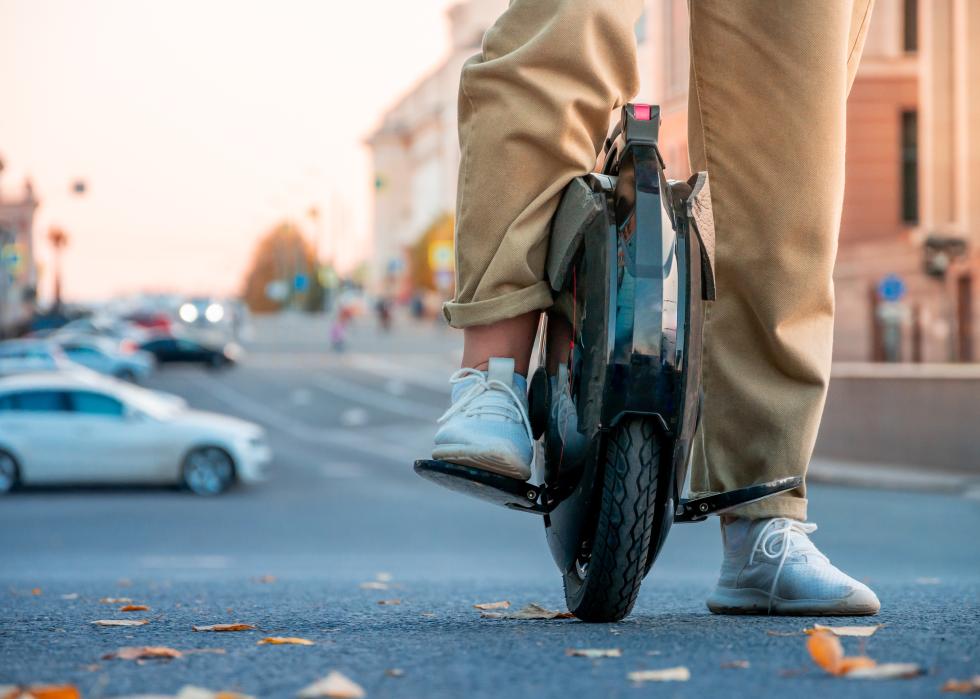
615, 400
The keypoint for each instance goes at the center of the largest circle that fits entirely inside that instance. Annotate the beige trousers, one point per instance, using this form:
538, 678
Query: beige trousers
769, 84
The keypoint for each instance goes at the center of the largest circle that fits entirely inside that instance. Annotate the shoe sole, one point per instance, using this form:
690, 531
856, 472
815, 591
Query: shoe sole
751, 601
492, 462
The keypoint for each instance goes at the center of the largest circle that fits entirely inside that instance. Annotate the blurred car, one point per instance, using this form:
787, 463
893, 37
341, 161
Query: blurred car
62, 428
129, 335
24, 356
183, 349
156, 321
104, 356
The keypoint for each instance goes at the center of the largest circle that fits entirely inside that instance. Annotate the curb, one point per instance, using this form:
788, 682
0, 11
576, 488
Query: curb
892, 477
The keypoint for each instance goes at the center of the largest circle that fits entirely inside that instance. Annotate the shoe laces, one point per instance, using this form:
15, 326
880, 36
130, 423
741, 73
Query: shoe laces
777, 540
469, 407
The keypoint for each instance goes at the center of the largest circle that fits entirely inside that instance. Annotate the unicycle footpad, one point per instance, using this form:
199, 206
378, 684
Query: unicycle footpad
491, 487
698, 509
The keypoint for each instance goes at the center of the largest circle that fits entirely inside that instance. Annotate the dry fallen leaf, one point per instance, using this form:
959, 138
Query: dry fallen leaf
826, 651
62, 691
225, 627
736, 665
885, 671
394, 672
192, 692
121, 622
970, 686
531, 611
143, 653
389, 602
594, 652
859, 631
115, 600
333, 685
373, 585
670, 674
284, 641
134, 608
492, 605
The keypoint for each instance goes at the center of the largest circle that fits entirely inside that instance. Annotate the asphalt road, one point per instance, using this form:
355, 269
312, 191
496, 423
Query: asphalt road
343, 507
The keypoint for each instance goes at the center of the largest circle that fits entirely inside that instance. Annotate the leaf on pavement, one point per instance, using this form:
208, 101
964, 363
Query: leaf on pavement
120, 622
670, 674
531, 611
134, 608
970, 686
859, 631
885, 671
284, 641
373, 585
143, 653
50, 691
594, 652
736, 665
394, 672
225, 627
116, 600
389, 602
504, 604
826, 651
334, 685
192, 692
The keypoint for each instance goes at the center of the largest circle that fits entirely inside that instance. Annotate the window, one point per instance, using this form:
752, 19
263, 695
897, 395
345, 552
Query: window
910, 167
90, 403
910, 30
80, 351
39, 401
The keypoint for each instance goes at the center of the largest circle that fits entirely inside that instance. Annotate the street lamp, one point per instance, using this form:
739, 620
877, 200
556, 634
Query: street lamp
59, 241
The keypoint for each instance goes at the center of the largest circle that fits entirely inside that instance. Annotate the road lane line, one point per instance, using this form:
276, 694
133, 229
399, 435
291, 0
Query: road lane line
382, 400
366, 444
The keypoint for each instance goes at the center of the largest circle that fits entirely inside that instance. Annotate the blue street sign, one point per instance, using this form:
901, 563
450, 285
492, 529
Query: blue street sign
300, 282
891, 288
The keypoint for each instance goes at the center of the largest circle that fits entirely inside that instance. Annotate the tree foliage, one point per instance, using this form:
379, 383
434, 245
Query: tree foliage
281, 255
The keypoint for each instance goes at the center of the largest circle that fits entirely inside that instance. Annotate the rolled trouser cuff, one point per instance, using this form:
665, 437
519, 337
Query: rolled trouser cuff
510, 305
783, 505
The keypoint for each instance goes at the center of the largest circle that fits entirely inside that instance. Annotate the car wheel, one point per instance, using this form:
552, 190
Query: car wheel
208, 471
9, 472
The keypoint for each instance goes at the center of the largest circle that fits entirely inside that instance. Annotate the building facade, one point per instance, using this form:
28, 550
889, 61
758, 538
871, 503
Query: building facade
18, 270
908, 271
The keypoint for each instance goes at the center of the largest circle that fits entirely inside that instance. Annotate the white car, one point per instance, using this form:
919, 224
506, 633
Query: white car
61, 428
104, 356
26, 356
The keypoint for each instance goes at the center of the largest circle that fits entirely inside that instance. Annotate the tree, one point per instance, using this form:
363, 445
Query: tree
282, 256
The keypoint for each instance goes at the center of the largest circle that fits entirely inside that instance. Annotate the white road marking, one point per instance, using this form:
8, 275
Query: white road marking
355, 441
372, 397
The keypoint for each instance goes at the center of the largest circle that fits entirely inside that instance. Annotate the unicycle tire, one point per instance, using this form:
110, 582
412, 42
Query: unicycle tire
603, 584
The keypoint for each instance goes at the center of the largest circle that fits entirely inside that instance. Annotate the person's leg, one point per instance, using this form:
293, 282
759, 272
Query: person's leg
534, 109
769, 84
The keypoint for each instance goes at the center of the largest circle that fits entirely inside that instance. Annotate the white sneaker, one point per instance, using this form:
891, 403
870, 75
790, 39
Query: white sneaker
487, 425
772, 567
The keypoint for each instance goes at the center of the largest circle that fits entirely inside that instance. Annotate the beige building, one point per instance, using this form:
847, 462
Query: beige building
18, 271
911, 221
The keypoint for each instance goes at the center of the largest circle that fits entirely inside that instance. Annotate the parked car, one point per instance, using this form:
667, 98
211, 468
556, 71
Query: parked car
104, 356
182, 349
24, 356
64, 428
128, 335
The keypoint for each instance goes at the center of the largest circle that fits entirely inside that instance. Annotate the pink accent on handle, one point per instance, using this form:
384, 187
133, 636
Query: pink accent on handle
641, 112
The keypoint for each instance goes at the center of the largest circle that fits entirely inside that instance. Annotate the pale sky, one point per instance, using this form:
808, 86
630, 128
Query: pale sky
197, 125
